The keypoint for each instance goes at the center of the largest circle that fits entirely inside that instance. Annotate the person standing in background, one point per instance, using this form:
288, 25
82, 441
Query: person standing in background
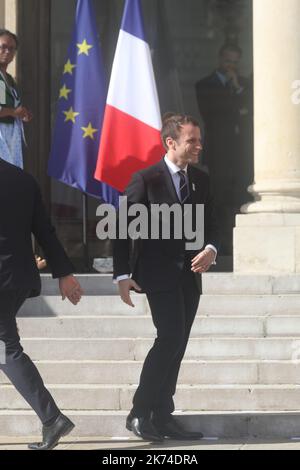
12, 113
225, 100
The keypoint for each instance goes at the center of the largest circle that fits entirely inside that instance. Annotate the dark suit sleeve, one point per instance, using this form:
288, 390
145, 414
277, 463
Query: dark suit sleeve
44, 232
135, 193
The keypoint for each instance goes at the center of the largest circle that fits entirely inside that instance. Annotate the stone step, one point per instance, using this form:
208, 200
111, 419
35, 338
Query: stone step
92, 284
213, 283
217, 424
239, 284
136, 349
142, 326
216, 304
188, 398
102, 305
192, 372
249, 305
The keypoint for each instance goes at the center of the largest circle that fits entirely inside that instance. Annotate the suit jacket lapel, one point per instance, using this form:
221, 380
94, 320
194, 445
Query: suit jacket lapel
169, 185
166, 185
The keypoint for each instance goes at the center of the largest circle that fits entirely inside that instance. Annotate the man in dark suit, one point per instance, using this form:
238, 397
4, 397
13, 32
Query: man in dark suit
21, 214
167, 273
225, 101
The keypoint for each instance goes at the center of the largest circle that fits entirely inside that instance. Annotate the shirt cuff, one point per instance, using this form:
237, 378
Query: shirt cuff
121, 278
213, 248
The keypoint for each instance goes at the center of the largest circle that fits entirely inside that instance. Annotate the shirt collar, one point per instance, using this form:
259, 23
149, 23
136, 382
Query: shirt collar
172, 167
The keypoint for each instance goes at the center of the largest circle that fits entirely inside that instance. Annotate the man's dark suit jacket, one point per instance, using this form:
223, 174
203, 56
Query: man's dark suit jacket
156, 265
223, 112
22, 213
217, 101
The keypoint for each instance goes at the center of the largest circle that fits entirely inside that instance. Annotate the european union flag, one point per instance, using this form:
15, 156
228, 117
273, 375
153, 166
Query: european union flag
80, 111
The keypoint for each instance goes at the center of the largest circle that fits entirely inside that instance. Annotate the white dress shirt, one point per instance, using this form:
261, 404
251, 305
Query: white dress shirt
174, 172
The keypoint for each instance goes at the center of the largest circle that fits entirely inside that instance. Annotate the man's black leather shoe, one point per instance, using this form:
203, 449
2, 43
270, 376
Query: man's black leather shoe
172, 429
51, 434
143, 428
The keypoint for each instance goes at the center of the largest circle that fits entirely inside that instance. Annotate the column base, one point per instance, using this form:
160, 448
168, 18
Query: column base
267, 243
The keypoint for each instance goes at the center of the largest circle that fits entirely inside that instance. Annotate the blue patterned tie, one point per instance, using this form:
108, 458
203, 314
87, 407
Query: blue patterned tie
183, 187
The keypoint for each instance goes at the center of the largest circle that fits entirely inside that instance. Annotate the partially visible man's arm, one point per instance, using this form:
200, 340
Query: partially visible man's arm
55, 254
135, 192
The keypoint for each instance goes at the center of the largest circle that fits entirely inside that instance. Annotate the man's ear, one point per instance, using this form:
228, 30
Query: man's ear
170, 143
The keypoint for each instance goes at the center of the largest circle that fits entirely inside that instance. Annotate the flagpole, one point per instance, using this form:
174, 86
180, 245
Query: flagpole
84, 232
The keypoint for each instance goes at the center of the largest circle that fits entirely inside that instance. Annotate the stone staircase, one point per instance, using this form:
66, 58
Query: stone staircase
240, 376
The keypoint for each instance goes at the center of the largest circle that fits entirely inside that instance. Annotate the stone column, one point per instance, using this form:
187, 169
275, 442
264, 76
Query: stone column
267, 235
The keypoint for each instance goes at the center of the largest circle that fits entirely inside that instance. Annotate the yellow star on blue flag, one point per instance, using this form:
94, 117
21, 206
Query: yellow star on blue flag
89, 131
69, 67
64, 92
71, 115
80, 111
84, 48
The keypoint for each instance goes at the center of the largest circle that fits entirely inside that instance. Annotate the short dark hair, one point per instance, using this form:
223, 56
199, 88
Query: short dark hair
231, 48
5, 32
173, 123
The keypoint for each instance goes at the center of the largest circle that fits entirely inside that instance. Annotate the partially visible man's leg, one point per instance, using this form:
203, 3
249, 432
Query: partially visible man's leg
191, 296
167, 310
18, 366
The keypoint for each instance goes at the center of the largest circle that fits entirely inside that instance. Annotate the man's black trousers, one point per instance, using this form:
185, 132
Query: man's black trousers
16, 365
173, 314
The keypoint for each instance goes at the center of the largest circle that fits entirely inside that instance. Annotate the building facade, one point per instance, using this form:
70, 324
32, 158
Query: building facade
185, 38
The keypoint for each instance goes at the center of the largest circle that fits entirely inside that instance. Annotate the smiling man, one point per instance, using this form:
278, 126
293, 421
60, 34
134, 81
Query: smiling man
225, 100
168, 273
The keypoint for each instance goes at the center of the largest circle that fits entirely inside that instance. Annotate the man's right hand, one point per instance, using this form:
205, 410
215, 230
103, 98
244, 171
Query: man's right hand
233, 77
124, 290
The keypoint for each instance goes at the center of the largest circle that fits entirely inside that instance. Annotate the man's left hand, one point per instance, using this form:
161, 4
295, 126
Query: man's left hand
203, 261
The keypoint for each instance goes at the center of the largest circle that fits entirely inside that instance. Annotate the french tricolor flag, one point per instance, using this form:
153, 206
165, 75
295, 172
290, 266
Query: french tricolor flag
130, 139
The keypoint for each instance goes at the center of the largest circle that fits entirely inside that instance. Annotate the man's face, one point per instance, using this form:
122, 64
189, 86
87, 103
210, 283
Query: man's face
229, 62
189, 144
8, 49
